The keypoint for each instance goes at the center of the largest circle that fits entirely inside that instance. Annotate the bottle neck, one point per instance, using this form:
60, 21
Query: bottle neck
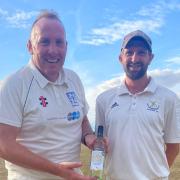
99, 145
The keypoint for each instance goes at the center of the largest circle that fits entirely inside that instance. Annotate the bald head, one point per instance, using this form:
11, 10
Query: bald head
50, 15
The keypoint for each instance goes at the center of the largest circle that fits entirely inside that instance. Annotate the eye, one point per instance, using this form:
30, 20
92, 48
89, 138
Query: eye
60, 42
128, 53
44, 42
142, 53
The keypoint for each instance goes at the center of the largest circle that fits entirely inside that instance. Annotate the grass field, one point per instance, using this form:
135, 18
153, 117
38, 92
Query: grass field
85, 158
3, 172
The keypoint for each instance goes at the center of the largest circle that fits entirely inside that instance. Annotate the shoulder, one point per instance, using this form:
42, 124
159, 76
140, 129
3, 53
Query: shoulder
15, 80
73, 78
167, 97
166, 93
107, 95
71, 75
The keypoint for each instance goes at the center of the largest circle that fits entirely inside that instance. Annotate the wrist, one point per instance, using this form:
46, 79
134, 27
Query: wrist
83, 140
55, 169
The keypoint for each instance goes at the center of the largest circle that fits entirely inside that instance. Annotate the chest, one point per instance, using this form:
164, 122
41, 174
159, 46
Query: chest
134, 112
55, 104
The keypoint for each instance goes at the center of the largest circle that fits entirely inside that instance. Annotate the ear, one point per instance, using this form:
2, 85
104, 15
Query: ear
151, 58
120, 58
66, 46
29, 47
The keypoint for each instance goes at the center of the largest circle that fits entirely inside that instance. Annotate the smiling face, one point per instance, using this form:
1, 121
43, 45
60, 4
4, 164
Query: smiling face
48, 47
135, 59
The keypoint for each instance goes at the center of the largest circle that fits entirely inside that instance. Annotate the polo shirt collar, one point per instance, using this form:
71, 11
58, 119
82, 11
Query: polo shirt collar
42, 81
151, 87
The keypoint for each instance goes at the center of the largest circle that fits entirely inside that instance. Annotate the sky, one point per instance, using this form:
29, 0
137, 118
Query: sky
95, 29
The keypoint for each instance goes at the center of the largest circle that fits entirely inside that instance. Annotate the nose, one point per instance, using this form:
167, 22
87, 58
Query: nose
135, 57
52, 48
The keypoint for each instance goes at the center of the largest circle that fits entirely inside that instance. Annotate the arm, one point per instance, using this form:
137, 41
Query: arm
172, 131
88, 137
18, 154
172, 151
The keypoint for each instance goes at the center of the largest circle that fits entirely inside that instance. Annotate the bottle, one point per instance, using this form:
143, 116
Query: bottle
97, 156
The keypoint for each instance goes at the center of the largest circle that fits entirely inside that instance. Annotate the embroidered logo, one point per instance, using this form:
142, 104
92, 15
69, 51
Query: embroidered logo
73, 115
114, 105
153, 106
72, 98
43, 101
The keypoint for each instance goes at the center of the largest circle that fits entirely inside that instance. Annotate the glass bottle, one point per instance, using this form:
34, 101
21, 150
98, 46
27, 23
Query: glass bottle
97, 156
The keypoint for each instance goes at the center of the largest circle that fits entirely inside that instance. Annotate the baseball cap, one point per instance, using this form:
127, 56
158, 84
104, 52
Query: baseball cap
137, 34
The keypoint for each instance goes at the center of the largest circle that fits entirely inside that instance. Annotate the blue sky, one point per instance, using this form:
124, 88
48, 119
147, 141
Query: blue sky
94, 32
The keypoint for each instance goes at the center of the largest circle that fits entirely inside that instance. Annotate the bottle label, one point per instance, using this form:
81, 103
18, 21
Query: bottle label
97, 160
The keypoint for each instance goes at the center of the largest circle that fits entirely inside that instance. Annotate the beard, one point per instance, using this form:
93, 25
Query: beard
136, 70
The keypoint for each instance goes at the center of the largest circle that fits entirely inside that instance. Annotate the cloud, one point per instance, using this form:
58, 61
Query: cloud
116, 31
150, 19
166, 77
174, 60
160, 9
19, 19
3, 13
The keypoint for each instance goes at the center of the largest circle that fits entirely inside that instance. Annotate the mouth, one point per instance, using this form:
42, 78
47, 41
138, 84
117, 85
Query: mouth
53, 60
135, 66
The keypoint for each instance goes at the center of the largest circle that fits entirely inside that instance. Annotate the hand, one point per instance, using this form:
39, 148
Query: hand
71, 165
106, 144
90, 140
70, 174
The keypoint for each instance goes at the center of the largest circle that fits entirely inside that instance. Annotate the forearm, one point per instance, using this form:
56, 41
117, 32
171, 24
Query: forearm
88, 137
172, 151
20, 155
86, 128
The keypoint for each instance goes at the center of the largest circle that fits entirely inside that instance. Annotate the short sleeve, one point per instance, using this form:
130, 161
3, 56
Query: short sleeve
10, 103
172, 129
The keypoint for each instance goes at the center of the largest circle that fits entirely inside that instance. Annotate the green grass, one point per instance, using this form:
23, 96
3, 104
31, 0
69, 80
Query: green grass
3, 171
175, 170
85, 159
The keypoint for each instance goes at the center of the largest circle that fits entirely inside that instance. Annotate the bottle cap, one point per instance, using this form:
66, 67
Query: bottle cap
100, 131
